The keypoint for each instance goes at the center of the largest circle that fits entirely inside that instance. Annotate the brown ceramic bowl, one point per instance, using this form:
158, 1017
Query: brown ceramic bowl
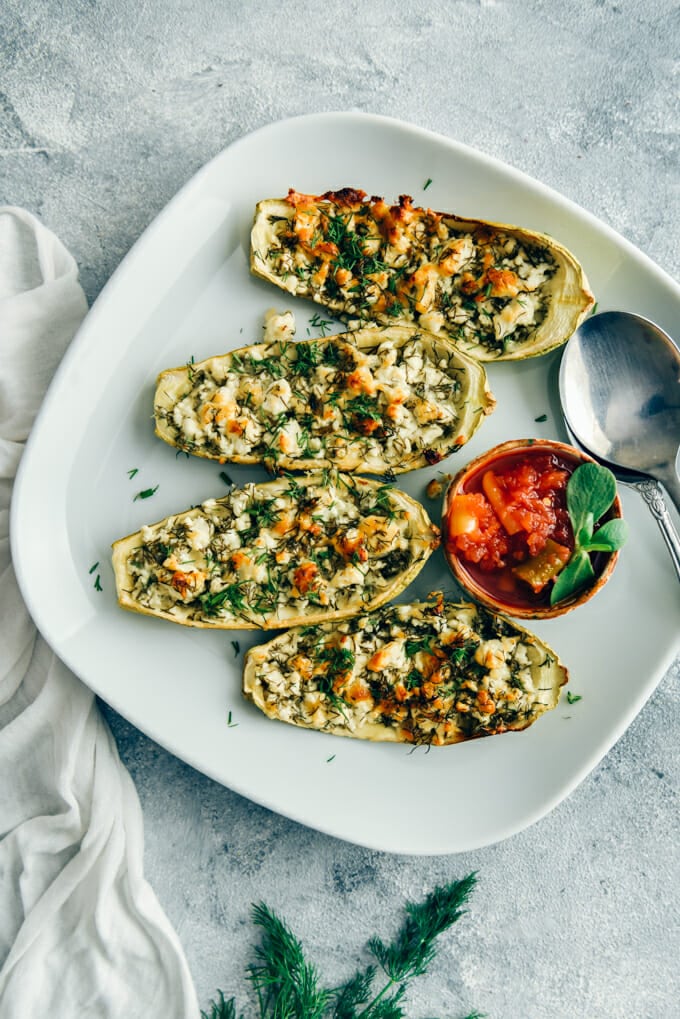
501, 589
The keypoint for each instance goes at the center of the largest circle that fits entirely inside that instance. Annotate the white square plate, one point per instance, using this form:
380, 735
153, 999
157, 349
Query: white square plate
185, 290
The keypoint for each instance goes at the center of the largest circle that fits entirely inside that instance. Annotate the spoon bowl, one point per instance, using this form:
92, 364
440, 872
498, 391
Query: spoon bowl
620, 391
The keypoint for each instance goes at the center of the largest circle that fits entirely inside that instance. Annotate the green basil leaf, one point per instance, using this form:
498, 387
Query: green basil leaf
591, 489
578, 573
609, 537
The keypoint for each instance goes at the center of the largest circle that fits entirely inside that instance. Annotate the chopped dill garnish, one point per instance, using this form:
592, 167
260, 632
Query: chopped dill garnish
340, 659
97, 584
364, 408
322, 324
263, 513
226, 479
573, 697
427, 183
541, 418
131, 473
383, 502
413, 646
237, 648
146, 493
232, 596
306, 359
230, 724
413, 679
94, 567
294, 490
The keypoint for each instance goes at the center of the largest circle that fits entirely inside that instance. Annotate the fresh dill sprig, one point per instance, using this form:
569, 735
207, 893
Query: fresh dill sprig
288, 987
285, 983
413, 949
221, 1009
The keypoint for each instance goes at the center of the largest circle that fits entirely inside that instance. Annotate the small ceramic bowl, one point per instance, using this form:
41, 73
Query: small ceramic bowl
501, 589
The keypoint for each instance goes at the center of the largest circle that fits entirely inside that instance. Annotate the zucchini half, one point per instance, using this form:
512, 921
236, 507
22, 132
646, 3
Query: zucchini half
500, 292
309, 549
436, 672
376, 400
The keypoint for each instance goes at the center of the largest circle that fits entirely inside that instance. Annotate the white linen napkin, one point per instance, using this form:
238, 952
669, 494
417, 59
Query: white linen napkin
81, 932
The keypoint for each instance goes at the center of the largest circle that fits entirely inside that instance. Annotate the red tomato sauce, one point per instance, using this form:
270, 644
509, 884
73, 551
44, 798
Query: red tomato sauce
509, 524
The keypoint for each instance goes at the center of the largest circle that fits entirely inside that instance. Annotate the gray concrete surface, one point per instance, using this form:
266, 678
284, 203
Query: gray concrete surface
106, 109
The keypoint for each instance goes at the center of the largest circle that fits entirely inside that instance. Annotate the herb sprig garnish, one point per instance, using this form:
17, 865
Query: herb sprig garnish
288, 986
590, 493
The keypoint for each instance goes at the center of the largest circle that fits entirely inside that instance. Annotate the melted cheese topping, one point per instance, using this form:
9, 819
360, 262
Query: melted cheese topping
278, 551
397, 398
433, 673
369, 261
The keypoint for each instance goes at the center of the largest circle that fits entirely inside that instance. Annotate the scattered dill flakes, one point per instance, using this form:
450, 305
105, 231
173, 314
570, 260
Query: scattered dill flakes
94, 567
230, 723
97, 583
573, 697
541, 418
329, 759
226, 479
146, 493
322, 324
427, 183
131, 473
237, 648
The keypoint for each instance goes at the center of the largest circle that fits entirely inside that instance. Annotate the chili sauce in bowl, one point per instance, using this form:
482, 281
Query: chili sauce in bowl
507, 533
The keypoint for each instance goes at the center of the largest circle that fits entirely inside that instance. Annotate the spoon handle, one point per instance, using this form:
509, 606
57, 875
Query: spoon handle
669, 480
652, 493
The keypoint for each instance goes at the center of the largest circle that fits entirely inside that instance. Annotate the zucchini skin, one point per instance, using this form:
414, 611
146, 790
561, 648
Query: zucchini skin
500, 292
378, 400
433, 673
275, 554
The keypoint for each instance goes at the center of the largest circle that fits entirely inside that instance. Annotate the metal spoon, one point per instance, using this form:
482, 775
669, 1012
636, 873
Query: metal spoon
620, 391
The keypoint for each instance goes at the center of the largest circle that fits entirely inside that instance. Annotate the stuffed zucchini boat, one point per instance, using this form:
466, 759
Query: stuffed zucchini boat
377, 400
436, 672
500, 292
314, 548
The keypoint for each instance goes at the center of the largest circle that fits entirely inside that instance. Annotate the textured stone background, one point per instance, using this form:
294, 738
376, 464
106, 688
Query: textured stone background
106, 109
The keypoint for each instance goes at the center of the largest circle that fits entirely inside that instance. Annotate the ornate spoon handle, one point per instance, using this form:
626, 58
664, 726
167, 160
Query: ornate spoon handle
652, 493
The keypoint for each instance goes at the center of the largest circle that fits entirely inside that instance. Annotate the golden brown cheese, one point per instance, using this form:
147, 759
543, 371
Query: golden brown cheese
435, 672
323, 546
375, 400
499, 292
